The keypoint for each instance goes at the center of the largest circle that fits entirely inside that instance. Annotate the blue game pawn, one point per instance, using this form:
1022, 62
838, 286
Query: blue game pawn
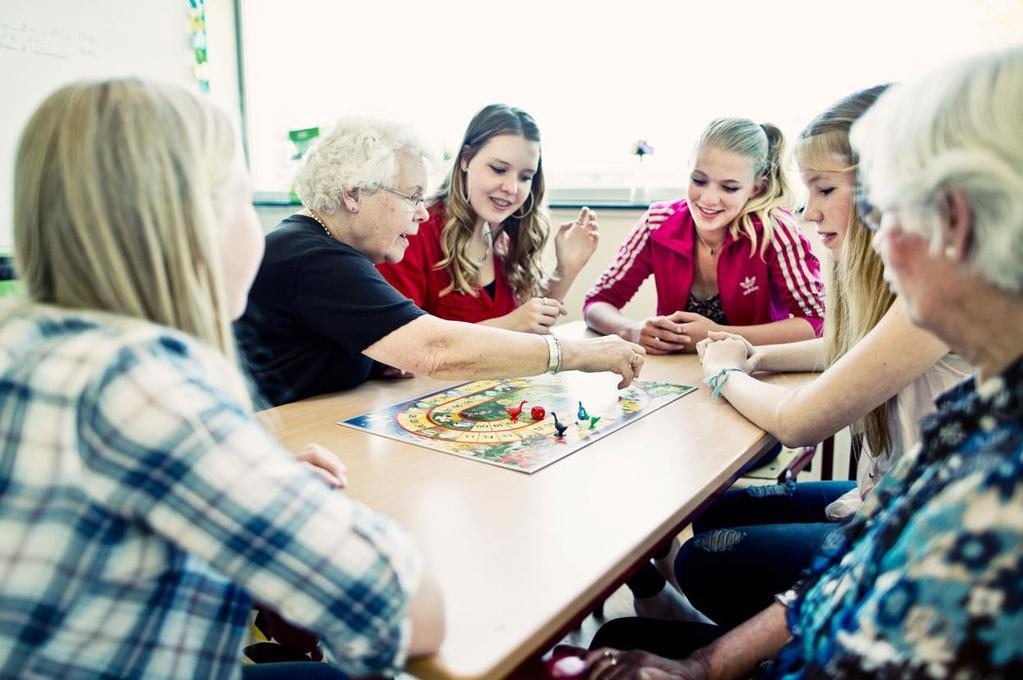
582, 415
559, 426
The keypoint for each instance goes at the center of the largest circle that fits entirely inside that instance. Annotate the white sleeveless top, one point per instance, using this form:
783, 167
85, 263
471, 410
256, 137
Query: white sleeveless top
913, 402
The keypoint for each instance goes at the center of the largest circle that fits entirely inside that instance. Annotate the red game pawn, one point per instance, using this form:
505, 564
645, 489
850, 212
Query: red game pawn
514, 411
538, 413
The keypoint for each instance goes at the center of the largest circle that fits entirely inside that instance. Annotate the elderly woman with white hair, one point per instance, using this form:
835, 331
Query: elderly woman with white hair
320, 313
927, 579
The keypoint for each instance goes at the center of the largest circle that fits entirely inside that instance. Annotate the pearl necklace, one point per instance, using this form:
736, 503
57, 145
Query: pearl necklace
319, 221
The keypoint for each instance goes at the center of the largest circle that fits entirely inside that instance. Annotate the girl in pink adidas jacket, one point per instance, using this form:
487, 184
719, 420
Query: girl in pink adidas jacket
728, 256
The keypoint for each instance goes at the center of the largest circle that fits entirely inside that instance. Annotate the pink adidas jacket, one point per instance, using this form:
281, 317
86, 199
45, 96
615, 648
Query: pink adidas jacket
785, 282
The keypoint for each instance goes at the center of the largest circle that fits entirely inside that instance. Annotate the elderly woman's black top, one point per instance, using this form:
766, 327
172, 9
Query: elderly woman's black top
315, 306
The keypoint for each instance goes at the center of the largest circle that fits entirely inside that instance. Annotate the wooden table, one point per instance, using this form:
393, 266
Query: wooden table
522, 558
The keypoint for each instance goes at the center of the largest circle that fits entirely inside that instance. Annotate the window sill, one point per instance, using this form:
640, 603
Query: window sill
565, 199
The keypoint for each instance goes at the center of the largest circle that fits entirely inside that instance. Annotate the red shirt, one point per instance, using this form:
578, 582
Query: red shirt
417, 277
784, 283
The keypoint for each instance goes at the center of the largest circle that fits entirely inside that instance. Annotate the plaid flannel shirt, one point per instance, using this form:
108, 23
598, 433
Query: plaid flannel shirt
142, 510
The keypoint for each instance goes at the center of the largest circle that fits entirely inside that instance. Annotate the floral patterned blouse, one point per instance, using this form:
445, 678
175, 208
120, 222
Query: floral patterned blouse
927, 580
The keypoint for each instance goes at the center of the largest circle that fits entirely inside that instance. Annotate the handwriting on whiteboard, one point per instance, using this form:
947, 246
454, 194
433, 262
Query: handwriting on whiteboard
46, 41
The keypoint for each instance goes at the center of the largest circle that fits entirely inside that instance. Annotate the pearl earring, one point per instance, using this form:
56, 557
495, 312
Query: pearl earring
950, 252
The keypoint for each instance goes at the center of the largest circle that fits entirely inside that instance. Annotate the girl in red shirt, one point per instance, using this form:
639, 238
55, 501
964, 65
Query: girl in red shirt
728, 256
478, 257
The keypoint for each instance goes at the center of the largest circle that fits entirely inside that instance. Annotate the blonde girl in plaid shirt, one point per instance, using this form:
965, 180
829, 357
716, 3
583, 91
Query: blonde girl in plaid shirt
142, 508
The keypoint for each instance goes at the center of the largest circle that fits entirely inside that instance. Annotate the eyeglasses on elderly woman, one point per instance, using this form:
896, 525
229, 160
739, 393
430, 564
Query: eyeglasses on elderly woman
415, 200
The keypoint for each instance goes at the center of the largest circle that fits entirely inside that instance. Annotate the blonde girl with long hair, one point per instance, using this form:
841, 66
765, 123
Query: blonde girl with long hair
478, 258
881, 374
141, 504
729, 256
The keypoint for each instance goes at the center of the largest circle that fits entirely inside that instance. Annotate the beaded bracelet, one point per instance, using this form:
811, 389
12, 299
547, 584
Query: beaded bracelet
718, 380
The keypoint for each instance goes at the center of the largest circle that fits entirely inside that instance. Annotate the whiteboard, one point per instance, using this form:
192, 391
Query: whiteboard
47, 43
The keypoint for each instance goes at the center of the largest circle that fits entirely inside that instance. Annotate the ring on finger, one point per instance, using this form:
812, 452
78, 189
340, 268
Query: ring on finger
608, 654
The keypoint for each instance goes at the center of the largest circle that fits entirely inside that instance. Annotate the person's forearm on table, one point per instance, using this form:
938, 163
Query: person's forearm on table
774, 332
603, 317
452, 349
802, 356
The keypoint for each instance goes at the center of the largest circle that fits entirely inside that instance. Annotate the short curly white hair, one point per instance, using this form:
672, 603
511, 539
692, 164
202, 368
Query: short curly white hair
958, 127
357, 153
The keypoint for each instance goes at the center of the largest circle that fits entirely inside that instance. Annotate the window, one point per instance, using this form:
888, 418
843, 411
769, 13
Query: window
596, 76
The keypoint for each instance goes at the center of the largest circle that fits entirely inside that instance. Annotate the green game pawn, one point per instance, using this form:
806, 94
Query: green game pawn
593, 421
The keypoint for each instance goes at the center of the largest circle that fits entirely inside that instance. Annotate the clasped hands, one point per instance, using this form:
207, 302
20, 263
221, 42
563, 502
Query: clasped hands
720, 350
675, 332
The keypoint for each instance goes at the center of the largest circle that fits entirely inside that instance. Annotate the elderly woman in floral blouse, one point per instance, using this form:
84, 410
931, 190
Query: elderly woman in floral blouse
927, 579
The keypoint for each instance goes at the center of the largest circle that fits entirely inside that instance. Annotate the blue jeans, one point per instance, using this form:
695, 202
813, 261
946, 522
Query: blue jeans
648, 581
752, 544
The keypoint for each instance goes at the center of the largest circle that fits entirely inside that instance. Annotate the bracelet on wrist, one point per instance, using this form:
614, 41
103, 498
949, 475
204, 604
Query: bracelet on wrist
717, 381
553, 353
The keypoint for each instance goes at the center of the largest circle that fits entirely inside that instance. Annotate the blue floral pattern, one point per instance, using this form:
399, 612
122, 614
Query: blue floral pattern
927, 580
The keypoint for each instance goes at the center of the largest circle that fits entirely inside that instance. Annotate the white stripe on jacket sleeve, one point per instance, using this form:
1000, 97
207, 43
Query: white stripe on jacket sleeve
798, 278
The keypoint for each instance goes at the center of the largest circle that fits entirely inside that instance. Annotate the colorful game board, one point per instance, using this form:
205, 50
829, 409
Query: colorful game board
472, 420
